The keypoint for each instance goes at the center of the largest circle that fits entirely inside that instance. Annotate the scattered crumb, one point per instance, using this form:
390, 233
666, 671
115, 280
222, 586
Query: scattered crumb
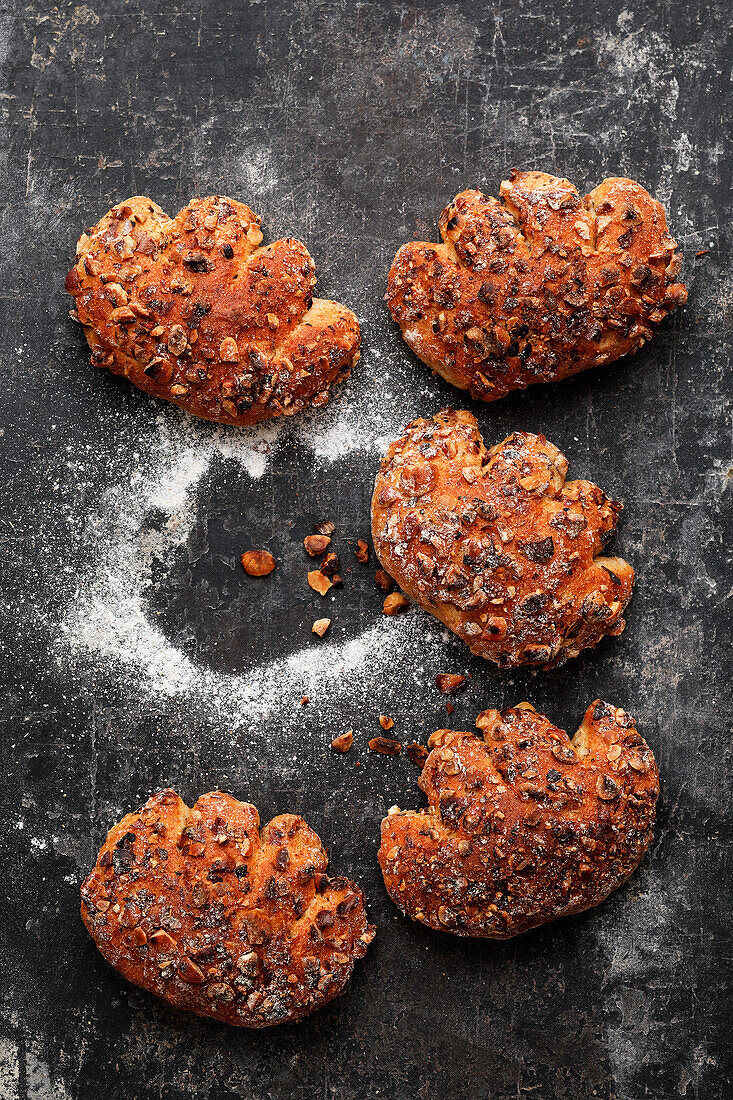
395, 604
316, 544
318, 582
330, 565
384, 580
320, 626
257, 563
386, 722
416, 753
362, 551
343, 742
450, 682
385, 745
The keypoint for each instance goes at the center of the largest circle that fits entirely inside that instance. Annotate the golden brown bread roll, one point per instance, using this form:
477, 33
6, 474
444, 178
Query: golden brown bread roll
496, 544
537, 286
193, 310
523, 826
214, 916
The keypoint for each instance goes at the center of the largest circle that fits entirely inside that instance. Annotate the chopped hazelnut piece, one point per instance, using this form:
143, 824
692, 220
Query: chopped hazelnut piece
383, 580
326, 528
320, 626
436, 738
395, 603
489, 719
386, 722
385, 745
228, 350
330, 566
343, 742
362, 551
316, 544
450, 682
257, 563
304, 699
319, 582
417, 754
449, 708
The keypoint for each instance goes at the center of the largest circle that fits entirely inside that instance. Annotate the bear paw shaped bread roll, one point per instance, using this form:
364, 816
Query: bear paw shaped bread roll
215, 917
537, 286
192, 309
496, 544
523, 826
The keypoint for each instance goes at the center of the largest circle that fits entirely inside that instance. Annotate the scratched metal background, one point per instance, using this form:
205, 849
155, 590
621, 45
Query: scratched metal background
350, 125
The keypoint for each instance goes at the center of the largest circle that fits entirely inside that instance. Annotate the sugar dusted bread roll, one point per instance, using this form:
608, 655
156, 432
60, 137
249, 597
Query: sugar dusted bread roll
538, 285
497, 544
194, 309
523, 826
214, 915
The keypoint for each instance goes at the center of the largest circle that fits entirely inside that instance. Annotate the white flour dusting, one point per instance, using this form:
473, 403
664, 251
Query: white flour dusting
109, 625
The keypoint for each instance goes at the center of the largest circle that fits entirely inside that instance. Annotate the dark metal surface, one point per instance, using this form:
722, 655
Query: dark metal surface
138, 654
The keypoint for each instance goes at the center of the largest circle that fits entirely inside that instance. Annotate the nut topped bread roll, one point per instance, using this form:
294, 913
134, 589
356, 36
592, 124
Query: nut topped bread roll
497, 544
215, 916
194, 309
523, 825
538, 285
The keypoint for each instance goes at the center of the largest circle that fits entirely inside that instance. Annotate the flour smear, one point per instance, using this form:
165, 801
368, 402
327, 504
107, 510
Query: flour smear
109, 626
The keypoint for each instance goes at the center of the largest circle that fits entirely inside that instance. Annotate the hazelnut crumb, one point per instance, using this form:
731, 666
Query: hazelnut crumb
395, 603
304, 700
315, 544
416, 753
257, 563
385, 745
362, 551
450, 682
343, 742
320, 626
330, 565
383, 580
449, 708
326, 528
386, 722
318, 582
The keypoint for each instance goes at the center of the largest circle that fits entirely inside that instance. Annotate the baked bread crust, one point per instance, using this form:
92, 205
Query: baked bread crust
523, 826
193, 310
201, 908
496, 544
538, 285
